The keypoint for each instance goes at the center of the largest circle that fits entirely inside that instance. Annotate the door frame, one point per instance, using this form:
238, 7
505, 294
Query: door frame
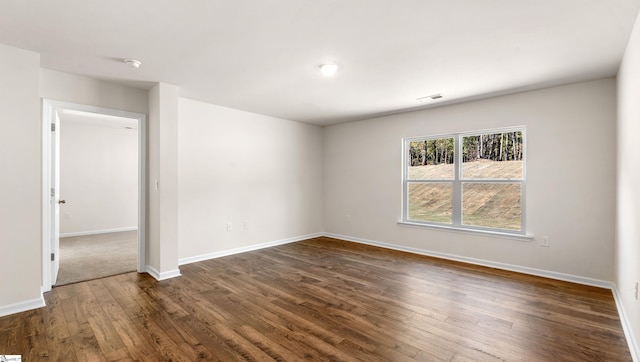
49, 111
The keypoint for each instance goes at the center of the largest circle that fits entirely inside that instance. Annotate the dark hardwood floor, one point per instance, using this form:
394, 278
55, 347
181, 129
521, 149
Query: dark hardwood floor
323, 300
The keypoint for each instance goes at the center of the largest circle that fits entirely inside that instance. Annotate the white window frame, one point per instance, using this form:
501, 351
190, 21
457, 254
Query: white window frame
457, 183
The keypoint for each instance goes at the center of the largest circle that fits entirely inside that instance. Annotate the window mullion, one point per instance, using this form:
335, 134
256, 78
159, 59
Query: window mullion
457, 185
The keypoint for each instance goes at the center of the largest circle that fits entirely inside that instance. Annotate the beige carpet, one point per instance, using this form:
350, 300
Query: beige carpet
97, 256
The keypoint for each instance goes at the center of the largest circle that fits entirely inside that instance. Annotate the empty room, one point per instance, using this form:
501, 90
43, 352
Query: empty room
327, 181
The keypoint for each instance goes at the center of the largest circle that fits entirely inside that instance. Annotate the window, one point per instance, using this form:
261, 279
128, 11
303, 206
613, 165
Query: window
472, 180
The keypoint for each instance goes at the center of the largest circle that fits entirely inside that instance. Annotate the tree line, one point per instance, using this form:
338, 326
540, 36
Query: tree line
506, 146
431, 152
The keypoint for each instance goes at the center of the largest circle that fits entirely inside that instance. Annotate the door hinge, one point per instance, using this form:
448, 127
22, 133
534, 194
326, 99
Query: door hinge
53, 127
53, 256
53, 192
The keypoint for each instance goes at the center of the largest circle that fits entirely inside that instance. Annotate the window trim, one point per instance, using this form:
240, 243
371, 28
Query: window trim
457, 182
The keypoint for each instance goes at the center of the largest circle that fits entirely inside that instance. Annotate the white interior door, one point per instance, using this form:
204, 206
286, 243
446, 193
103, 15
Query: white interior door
55, 199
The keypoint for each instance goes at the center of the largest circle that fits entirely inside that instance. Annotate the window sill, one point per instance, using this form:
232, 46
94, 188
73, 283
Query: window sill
498, 234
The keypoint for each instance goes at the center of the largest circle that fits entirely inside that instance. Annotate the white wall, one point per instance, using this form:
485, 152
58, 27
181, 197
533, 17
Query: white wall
20, 187
238, 167
98, 177
93, 92
570, 178
628, 222
162, 187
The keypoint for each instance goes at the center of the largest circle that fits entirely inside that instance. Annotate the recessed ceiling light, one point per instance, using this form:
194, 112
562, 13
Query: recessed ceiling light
432, 97
328, 69
132, 63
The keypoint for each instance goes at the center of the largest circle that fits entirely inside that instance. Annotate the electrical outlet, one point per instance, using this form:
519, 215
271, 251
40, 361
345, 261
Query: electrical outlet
229, 226
245, 225
67, 215
636, 292
348, 218
544, 241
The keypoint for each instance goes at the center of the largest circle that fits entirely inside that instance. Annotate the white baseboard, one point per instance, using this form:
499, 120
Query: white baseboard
491, 264
22, 306
244, 249
95, 232
626, 326
164, 275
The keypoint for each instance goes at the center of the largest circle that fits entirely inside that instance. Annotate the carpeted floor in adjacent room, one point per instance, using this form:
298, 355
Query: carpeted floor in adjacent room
97, 256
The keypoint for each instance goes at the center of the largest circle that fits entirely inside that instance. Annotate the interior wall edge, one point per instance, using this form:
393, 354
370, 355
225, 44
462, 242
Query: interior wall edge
634, 349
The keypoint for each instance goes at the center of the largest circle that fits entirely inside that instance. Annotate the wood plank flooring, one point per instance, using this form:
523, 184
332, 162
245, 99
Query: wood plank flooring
321, 300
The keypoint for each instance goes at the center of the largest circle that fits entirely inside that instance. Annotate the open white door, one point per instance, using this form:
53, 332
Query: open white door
55, 185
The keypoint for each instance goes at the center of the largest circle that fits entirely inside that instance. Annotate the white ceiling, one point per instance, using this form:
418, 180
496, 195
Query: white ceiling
262, 55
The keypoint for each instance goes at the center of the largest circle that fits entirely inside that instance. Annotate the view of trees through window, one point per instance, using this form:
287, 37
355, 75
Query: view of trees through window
499, 149
431, 152
431, 159
489, 182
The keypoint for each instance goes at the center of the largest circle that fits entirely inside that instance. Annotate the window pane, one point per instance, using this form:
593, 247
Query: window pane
430, 201
493, 205
492, 156
431, 159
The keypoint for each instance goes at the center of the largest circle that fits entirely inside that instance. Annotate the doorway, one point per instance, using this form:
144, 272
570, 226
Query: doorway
103, 203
